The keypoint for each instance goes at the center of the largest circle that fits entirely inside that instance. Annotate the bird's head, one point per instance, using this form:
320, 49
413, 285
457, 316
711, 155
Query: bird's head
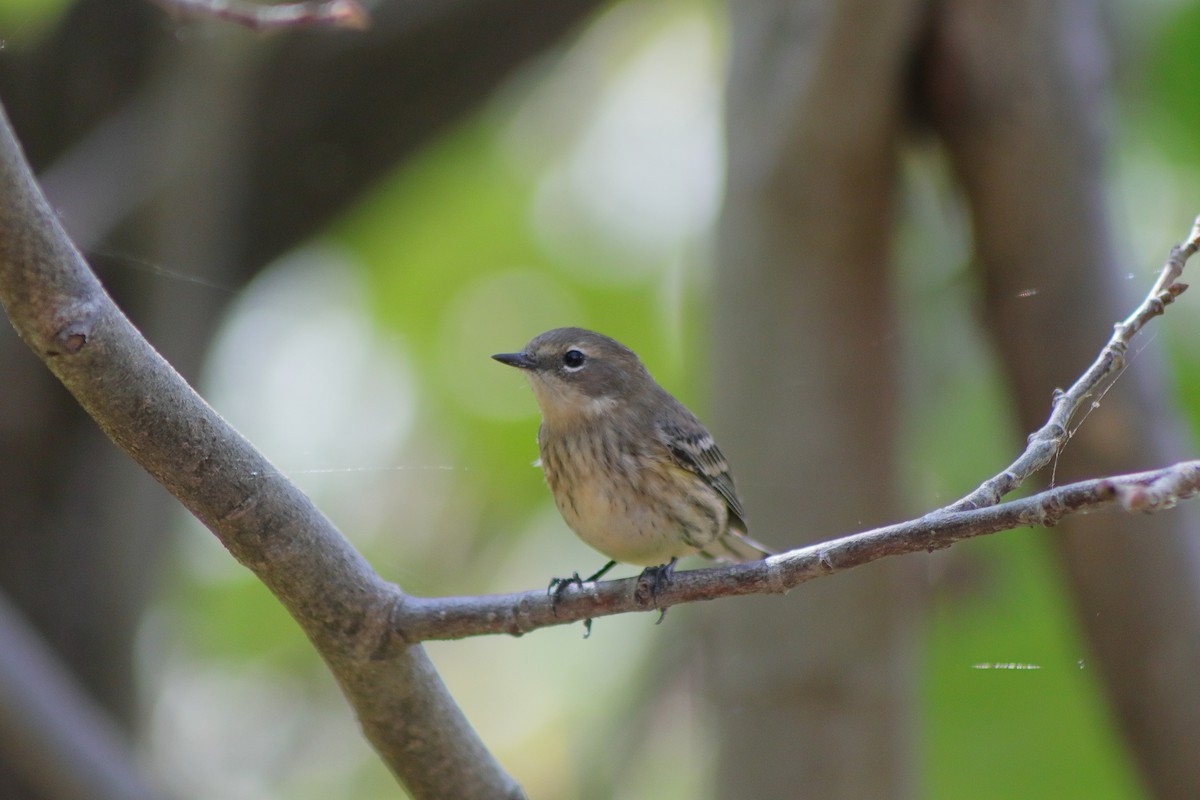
578, 373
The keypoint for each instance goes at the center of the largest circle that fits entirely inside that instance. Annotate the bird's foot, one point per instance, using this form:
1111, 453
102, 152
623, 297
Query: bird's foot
559, 585
652, 582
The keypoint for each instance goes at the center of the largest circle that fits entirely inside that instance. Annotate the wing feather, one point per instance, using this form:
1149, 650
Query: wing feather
693, 448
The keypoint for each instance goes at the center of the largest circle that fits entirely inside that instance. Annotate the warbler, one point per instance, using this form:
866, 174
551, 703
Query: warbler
634, 473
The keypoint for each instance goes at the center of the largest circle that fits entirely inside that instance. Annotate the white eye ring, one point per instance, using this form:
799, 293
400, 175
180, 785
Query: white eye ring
574, 359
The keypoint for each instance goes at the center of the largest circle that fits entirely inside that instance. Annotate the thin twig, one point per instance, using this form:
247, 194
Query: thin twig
1049, 440
260, 17
419, 619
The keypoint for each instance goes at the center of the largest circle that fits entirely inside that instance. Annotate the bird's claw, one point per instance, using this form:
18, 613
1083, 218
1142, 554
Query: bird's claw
558, 586
651, 583
555, 590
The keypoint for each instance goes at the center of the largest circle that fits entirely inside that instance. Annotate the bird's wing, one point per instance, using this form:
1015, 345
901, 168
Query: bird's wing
693, 448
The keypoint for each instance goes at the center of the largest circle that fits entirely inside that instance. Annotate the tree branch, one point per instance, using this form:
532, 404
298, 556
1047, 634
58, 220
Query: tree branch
419, 619
1047, 441
62, 313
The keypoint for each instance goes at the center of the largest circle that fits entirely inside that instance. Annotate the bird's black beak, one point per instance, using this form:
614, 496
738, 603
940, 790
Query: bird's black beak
518, 360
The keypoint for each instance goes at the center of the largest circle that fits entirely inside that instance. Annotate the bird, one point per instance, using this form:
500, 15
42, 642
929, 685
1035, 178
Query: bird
634, 473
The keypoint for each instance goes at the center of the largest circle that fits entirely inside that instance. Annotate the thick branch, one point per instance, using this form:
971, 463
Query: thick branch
418, 619
1045, 443
63, 314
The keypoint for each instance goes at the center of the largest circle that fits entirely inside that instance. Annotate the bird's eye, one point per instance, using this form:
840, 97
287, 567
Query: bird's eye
573, 359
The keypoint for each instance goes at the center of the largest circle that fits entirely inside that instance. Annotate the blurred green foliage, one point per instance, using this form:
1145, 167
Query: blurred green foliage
22, 22
1015, 709
1167, 108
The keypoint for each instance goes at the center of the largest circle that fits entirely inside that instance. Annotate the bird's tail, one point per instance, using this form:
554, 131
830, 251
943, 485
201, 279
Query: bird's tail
736, 546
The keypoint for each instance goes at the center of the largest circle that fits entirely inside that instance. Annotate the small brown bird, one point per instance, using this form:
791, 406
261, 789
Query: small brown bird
634, 473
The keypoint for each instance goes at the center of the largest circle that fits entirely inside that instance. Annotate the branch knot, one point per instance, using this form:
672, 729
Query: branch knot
75, 325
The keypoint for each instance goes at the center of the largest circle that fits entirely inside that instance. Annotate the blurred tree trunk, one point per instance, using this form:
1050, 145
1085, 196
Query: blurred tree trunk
207, 151
815, 692
1019, 93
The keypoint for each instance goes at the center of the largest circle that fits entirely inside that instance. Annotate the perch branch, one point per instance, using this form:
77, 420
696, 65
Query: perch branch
417, 619
1045, 443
